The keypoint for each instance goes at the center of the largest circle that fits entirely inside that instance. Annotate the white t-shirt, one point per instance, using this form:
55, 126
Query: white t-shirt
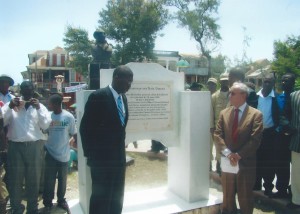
61, 128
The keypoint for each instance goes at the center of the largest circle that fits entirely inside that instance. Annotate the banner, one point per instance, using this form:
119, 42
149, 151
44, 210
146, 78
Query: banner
75, 88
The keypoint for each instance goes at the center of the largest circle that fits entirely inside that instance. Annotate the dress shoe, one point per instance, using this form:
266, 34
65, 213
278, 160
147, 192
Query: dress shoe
292, 206
280, 195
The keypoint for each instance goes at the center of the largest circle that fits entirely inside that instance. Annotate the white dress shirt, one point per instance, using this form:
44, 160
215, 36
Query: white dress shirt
26, 125
116, 95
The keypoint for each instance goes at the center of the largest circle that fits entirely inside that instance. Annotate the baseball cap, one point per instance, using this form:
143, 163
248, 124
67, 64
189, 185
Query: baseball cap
212, 80
224, 76
7, 78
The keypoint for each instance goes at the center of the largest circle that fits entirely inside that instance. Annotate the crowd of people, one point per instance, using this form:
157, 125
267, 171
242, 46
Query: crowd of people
36, 140
256, 135
256, 132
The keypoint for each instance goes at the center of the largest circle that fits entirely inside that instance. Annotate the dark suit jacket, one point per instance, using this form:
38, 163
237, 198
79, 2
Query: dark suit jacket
102, 135
249, 134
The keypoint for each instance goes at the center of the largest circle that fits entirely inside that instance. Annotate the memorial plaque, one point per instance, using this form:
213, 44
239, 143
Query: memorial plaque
150, 106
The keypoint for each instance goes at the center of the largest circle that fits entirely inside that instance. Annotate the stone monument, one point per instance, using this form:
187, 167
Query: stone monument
160, 109
101, 52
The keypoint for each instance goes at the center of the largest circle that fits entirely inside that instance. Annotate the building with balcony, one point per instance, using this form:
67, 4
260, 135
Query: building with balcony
44, 66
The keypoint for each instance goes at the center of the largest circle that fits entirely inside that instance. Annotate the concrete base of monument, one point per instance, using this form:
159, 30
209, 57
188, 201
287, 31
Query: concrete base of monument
161, 201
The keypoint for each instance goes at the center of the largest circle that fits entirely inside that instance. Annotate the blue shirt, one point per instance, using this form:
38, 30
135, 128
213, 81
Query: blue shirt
265, 106
281, 101
61, 128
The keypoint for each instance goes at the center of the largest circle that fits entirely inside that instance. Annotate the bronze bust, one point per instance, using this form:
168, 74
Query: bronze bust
101, 50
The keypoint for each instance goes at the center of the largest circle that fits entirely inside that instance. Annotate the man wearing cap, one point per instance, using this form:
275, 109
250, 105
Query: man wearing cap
212, 85
5, 82
219, 102
5, 97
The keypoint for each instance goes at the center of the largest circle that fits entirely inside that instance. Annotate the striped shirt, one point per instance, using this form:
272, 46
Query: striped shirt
295, 102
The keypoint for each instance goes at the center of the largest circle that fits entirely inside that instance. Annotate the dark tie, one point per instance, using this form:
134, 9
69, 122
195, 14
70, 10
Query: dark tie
234, 133
120, 110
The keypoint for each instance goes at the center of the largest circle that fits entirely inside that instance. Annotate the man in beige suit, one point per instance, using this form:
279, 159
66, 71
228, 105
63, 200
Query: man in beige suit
237, 136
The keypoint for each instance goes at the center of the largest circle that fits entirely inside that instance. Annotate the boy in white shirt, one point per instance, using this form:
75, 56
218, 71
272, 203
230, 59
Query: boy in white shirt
61, 129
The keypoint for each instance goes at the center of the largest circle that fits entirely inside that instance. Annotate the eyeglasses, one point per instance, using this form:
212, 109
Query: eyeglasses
235, 93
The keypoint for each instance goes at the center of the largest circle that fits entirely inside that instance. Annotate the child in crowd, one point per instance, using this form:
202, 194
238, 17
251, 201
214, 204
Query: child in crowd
61, 129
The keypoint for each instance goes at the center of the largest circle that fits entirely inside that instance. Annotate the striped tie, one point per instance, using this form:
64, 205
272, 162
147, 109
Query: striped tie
120, 110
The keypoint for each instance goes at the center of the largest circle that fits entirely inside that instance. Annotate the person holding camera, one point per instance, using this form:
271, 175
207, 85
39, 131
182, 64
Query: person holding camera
26, 117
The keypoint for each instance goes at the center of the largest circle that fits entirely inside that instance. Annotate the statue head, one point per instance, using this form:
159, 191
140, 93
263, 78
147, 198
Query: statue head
99, 35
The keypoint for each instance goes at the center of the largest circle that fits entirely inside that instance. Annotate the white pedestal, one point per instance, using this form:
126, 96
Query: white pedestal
188, 170
158, 201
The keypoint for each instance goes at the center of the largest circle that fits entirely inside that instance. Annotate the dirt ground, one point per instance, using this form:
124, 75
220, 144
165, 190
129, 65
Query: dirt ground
150, 171
144, 173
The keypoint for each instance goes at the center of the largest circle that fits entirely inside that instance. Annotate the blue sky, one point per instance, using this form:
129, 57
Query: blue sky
30, 25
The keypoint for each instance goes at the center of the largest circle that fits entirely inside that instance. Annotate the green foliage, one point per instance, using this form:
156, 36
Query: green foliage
78, 46
133, 25
199, 17
287, 57
200, 21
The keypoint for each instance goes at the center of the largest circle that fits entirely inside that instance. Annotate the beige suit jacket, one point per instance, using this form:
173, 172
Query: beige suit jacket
249, 134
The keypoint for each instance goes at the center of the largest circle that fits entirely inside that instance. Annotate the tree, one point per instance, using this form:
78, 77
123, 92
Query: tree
78, 46
198, 16
287, 57
133, 25
218, 65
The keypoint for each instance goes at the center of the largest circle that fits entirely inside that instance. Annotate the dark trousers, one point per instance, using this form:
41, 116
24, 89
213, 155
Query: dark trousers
54, 169
265, 160
24, 161
282, 162
156, 146
107, 189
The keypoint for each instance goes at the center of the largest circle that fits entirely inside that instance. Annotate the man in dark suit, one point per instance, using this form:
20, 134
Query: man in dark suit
237, 137
267, 104
102, 131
